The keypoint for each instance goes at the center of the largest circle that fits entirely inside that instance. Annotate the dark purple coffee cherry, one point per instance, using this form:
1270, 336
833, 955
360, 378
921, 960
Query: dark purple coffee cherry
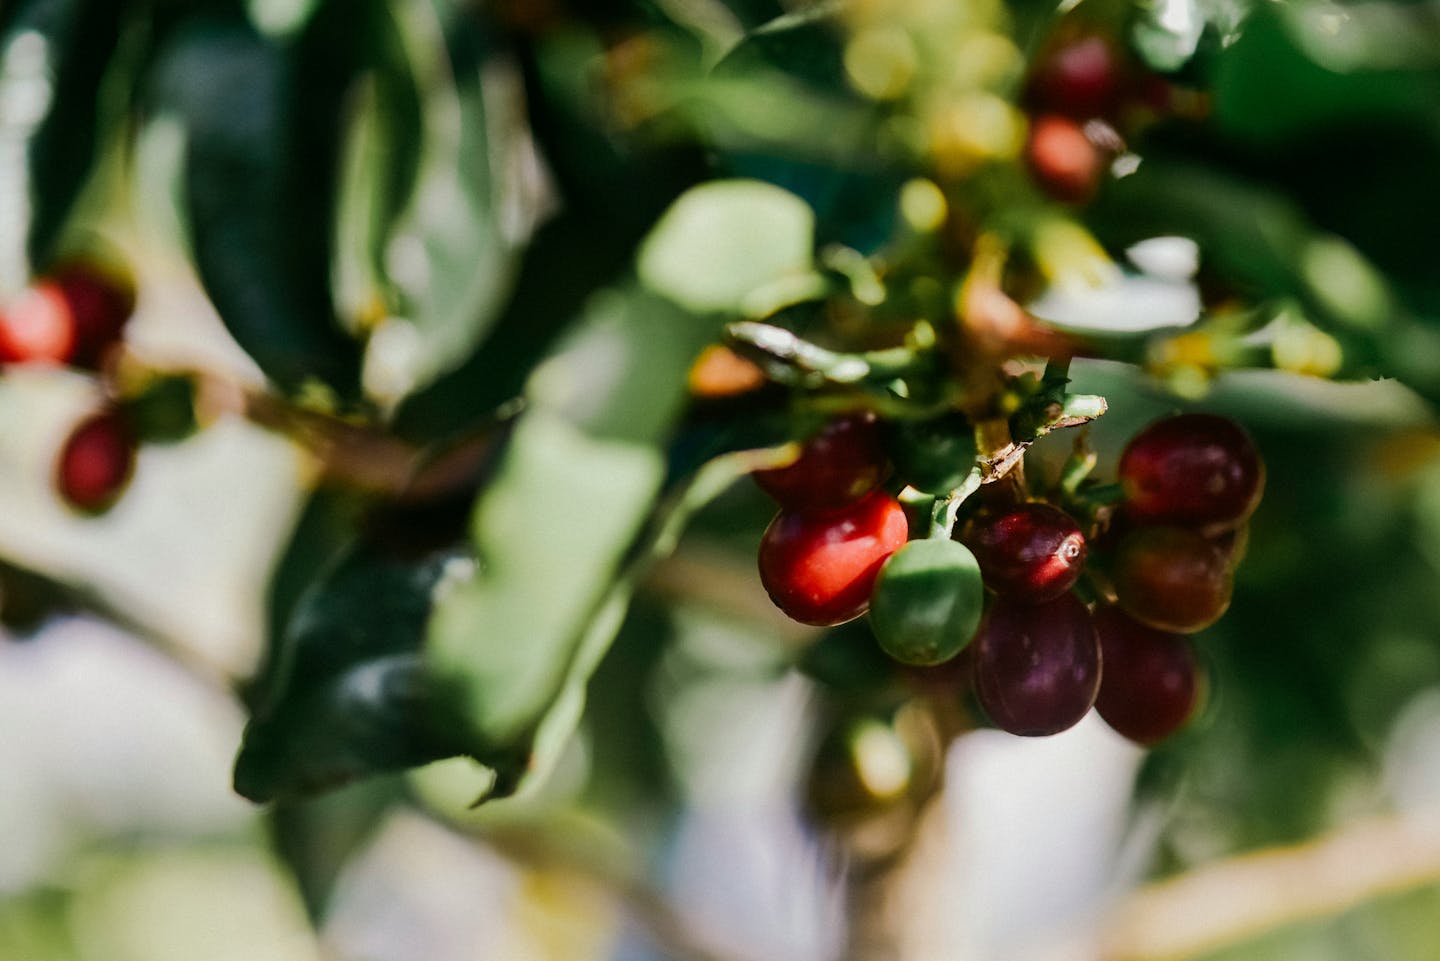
1151, 685
1037, 667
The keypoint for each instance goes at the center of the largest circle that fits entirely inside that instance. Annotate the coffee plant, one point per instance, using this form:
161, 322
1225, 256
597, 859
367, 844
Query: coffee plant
994, 329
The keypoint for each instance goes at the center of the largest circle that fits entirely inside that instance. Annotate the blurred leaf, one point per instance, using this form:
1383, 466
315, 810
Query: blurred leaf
611, 193
325, 530
53, 57
702, 254
1295, 70
1167, 32
514, 647
262, 128
448, 253
380, 160
779, 108
347, 697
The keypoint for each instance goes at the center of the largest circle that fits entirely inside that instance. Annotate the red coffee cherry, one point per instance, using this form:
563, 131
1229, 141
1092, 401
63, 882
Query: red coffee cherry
1081, 78
71, 316
820, 568
38, 327
1063, 161
1172, 579
1037, 667
1032, 552
836, 467
1150, 688
1195, 470
96, 462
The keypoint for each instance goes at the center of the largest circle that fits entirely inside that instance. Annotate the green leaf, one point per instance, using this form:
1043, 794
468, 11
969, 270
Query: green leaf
53, 57
703, 252
1295, 71
447, 255
380, 161
347, 695
611, 194
262, 141
779, 108
556, 533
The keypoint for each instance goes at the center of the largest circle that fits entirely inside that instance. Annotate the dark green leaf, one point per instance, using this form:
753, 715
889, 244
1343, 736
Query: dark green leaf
351, 699
262, 142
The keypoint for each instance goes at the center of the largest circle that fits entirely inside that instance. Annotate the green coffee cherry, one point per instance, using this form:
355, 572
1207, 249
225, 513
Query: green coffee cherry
927, 601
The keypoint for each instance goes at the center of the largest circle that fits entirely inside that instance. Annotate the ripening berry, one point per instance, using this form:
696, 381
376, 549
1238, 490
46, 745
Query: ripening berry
1032, 552
96, 462
1151, 687
1172, 578
1082, 78
1037, 667
1062, 160
1194, 470
38, 327
101, 301
820, 568
836, 467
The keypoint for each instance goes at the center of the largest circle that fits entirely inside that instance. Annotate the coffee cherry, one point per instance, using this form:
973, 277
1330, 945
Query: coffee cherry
1195, 470
927, 601
101, 301
38, 327
1150, 687
96, 462
836, 467
1037, 667
1081, 78
1032, 552
820, 568
1063, 161
1172, 579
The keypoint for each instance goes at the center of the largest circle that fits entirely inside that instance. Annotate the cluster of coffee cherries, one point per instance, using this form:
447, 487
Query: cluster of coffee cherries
75, 316
1004, 584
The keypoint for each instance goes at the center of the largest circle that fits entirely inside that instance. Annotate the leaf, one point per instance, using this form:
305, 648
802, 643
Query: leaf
53, 57
704, 255
261, 123
347, 695
380, 160
447, 255
611, 194
779, 108
513, 648
1295, 72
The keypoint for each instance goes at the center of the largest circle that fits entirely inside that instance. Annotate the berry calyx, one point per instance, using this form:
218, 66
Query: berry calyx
1032, 552
1062, 160
927, 601
1037, 667
836, 467
1195, 470
38, 327
1172, 578
96, 462
1150, 687
820, 569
